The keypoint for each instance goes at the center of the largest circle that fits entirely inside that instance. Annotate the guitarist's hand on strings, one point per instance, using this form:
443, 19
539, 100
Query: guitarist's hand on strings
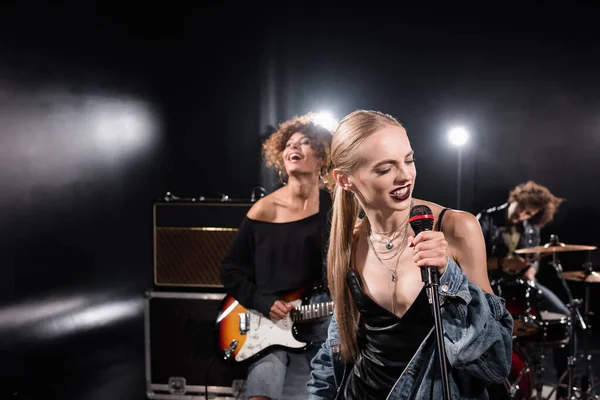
279, 310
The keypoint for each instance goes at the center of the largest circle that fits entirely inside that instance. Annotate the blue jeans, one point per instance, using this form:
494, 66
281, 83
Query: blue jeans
278, 375
549, 301
283, 374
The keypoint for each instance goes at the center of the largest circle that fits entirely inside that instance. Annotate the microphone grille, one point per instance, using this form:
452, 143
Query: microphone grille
421, 219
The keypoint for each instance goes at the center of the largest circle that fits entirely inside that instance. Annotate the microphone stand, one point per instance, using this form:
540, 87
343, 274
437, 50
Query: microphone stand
431, 278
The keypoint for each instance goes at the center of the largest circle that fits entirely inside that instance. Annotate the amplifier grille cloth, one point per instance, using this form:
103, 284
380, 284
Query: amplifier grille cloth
191, 256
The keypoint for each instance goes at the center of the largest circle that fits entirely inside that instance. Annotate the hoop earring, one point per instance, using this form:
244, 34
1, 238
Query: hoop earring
281, 178
322, 180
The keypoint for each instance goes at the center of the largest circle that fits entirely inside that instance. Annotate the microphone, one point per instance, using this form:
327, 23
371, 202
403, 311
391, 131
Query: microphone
421, 219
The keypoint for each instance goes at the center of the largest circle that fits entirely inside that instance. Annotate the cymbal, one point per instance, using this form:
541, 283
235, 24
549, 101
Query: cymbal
556, 248
582, 276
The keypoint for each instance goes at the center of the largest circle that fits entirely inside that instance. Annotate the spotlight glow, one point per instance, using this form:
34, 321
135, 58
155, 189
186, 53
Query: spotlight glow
326, 120
458, 136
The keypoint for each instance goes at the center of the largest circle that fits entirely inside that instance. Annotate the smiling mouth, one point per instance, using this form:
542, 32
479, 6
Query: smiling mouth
295, 157
401, 193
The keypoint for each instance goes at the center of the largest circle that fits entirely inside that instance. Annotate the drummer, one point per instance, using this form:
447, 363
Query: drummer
514, 225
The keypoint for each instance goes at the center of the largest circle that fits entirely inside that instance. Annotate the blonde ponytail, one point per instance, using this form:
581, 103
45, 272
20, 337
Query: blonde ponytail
345, 214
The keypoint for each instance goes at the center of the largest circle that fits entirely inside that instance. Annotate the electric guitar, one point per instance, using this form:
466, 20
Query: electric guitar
243, 334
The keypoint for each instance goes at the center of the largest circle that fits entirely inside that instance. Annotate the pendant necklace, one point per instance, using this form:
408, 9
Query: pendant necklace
391, 235
392, 271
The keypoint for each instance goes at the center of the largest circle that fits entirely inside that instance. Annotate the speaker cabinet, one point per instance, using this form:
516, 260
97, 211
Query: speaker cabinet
181, 348
191, 239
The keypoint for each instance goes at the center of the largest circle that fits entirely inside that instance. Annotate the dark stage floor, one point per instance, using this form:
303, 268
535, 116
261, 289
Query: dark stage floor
108, 363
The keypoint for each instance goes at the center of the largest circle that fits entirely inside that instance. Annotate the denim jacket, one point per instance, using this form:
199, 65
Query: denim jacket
478, 340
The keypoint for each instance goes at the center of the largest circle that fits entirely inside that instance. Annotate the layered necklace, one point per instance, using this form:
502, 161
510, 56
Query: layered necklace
386, 238
397, 254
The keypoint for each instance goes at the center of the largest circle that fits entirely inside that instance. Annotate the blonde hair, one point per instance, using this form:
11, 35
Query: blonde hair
351, 132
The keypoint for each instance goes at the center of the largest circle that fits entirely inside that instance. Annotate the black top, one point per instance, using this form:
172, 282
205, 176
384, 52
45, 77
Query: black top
386, 343
267, 259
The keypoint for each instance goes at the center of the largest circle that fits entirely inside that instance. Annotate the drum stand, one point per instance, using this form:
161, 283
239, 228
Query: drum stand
575, 315
537, 360
587, 380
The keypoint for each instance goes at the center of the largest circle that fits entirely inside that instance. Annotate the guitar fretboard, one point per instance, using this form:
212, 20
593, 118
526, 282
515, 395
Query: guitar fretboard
312, 311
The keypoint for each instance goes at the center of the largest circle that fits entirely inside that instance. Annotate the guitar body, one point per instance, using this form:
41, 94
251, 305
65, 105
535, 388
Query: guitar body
243, 335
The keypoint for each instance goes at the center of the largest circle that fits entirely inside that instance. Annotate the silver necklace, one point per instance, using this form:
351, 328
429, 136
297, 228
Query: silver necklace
393, 277
397, 255
389, 244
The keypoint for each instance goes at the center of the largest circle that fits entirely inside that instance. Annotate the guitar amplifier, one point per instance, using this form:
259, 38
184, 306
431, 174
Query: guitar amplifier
191, 239
182, 361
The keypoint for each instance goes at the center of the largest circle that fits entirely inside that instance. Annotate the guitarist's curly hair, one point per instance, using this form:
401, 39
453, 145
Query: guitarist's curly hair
273, 146
538, 196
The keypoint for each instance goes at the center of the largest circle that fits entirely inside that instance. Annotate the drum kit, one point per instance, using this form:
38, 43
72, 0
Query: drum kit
536, 331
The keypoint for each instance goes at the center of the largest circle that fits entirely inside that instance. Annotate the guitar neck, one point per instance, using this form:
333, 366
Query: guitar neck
309, 312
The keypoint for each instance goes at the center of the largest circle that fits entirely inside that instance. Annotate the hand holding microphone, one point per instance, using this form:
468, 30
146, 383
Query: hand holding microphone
429, 247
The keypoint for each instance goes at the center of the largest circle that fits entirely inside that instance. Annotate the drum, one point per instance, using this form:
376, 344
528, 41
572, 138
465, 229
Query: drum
519, 385
522, 300
553, 331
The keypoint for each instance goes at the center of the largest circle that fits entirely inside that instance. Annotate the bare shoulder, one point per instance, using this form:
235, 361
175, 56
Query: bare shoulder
465, 243
461, 224
460, 219
456, 223
264, 209
466, 246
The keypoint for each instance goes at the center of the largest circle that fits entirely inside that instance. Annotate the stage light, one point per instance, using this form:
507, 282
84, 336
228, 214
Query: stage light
121, 128
50, 318
458, 136
326, 120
